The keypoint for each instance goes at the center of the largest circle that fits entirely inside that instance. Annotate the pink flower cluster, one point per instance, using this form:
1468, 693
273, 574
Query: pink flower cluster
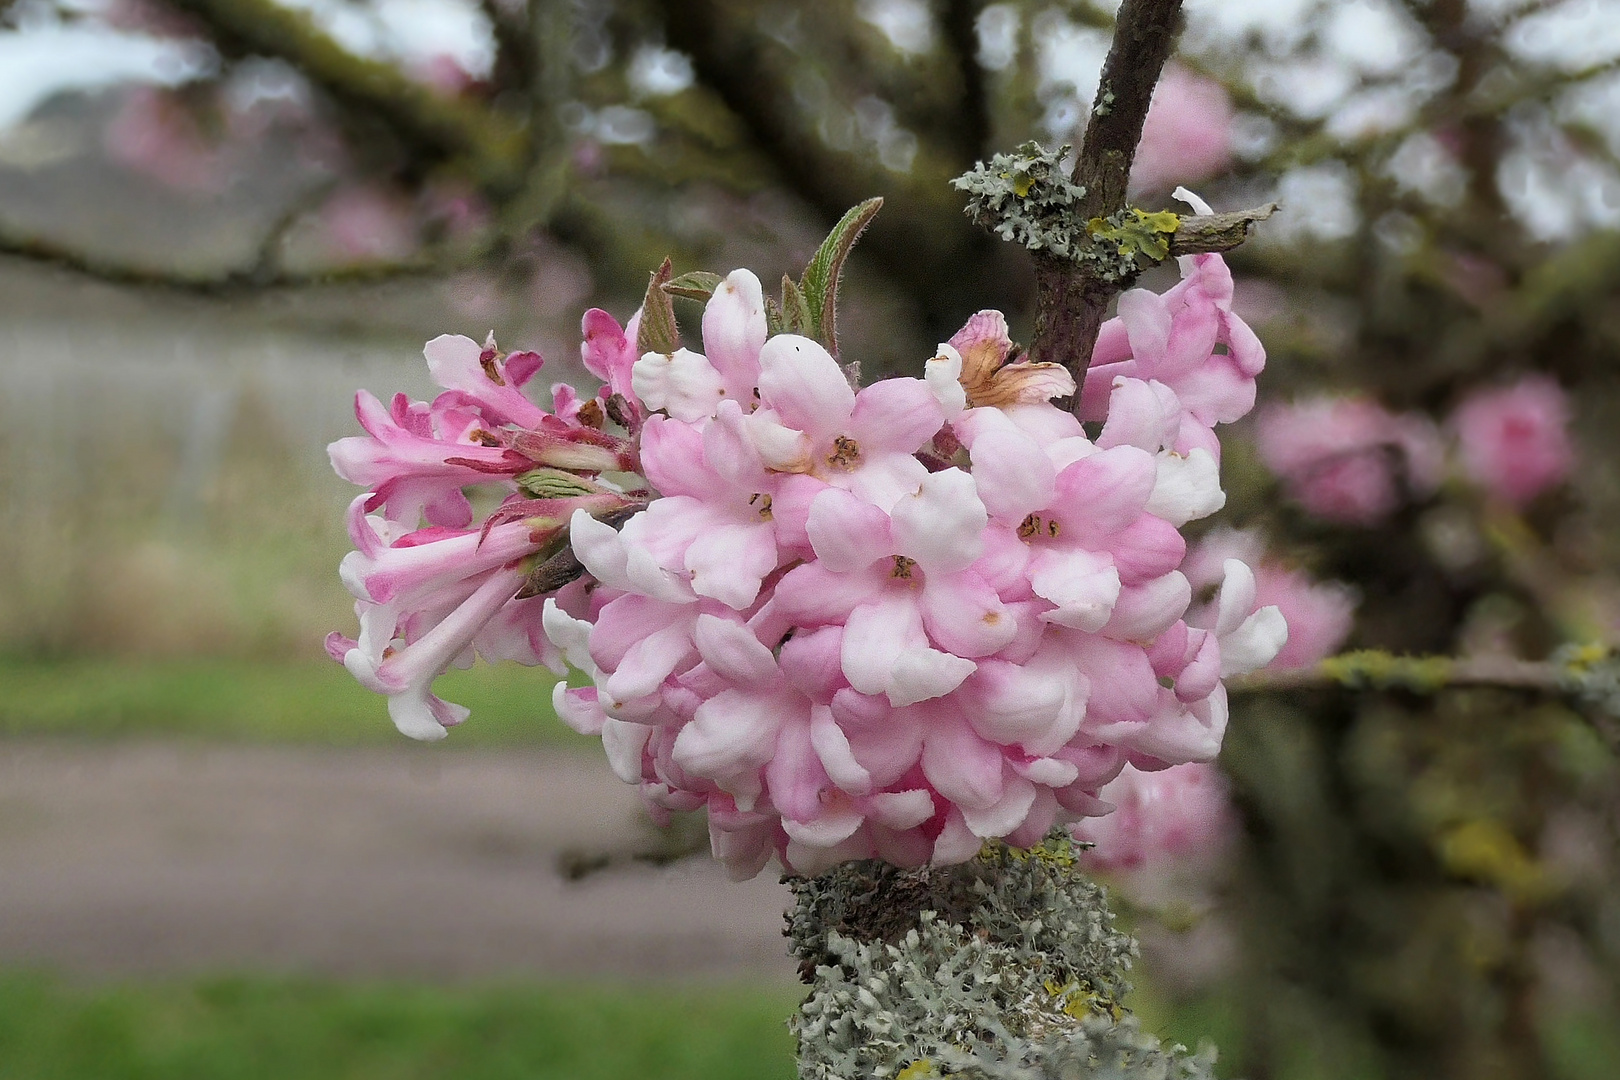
1349, 460
432, 589
896, 621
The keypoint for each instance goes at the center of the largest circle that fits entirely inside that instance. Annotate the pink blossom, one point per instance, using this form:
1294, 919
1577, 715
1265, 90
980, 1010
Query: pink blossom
1187, 136
1171, 814
1348, 459
1514, 441
432, 596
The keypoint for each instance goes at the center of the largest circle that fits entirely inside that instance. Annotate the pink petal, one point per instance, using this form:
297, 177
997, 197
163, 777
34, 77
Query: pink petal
964, 616
1014, 477
833, 749
1104, 493
1141, 414
847, 533
805, 385
896, 415
734, 653
728, 562
734, 330
1144, 611
683, 384
1083, 584
960, 765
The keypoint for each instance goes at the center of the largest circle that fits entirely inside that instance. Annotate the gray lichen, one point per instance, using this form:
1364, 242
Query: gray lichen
1024, 197
1006, 968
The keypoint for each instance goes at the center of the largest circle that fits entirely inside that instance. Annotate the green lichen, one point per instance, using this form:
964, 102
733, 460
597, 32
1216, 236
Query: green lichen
1373, 669
1006, 968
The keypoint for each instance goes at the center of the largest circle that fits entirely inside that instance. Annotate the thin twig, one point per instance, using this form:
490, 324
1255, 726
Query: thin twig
1415, 673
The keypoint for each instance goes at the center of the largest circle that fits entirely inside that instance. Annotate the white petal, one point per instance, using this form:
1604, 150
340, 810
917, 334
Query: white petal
1083, 584
571, 635
943, 374
599, 547
1236, 601
942, 525
1186, 488
832, 747
682, 383
624, 743
902, 809
1255, 643
920, 674
836, 824
731, 649
582, 714
847, 533
1004, 815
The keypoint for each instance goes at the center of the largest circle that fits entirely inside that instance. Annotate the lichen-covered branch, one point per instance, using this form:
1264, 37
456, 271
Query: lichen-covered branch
1071, 302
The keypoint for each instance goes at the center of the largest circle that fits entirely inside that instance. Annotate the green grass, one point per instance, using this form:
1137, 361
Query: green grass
308, 701
278, 1029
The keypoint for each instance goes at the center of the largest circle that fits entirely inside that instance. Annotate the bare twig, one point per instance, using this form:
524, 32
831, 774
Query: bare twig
1200, 234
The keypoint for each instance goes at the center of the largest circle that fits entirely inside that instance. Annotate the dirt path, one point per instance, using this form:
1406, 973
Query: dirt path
161, 858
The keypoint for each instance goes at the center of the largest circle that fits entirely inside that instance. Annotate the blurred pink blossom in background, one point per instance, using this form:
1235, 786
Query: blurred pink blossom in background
1187, 137
1347, 459
1159, 817
365, 222
1514, 441
157, 134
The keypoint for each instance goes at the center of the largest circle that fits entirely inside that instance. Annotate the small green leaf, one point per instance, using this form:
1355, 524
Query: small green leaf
658, 333
773, 317
819, 285
694, 285
554, 484
796, 314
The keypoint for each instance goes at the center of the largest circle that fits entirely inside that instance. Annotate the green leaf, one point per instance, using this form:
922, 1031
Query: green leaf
819, 285
658, 332
694, 285
773, 317
796, 315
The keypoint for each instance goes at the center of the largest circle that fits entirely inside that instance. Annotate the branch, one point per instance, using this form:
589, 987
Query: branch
436, 125
255, 278
1072, 300
1374, 670
1202, 234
